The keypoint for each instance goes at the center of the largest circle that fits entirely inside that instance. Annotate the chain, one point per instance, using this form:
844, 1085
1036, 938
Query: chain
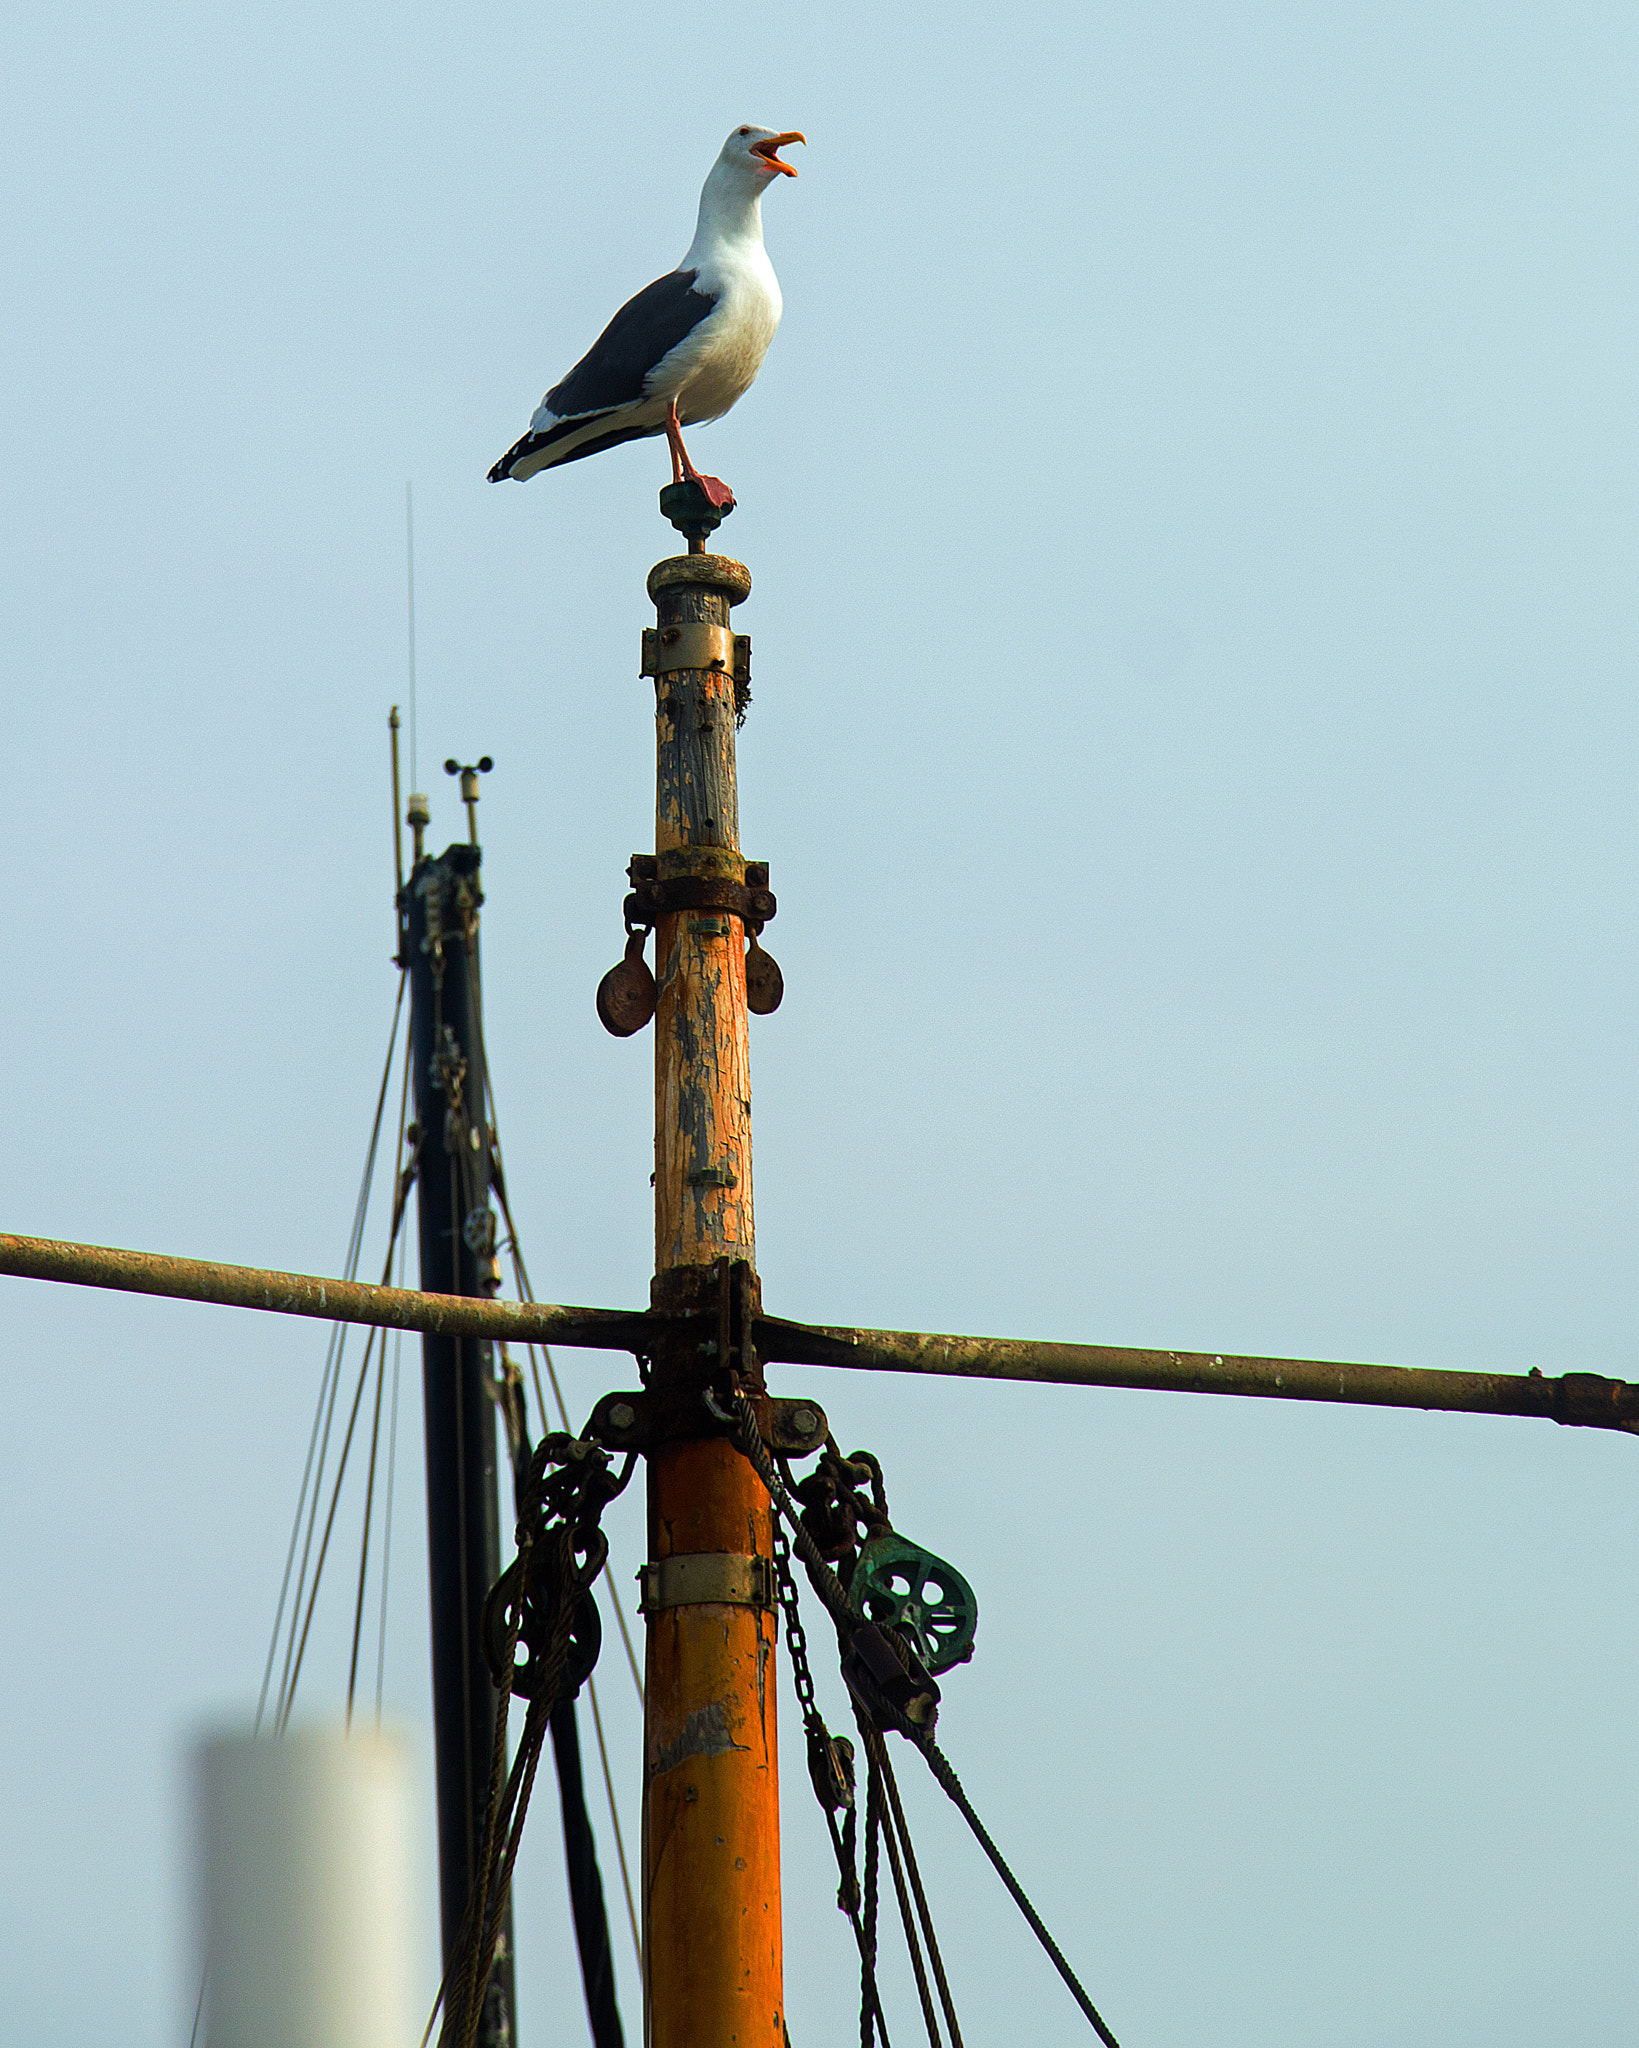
830, 1766
796, 1642
748, 1441
874, 1716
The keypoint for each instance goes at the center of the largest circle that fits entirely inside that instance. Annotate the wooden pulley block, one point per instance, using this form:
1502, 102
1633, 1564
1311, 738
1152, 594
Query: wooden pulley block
765, 984
627, 994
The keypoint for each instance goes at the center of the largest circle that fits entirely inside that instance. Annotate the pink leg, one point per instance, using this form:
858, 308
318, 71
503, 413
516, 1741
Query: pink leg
718, 494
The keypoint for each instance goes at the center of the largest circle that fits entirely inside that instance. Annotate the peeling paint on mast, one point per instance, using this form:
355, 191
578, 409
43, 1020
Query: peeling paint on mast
703, 1207
711, 1903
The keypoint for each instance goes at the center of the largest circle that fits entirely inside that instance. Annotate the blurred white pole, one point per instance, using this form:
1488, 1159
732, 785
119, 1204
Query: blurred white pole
306, 1895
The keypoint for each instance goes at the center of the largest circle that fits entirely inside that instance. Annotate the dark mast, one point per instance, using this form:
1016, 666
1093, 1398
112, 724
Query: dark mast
457, 1232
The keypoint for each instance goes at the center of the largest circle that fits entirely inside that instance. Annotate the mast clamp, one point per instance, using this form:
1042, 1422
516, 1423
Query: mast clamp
698, 878
648, 1417
726, 1578
693, 644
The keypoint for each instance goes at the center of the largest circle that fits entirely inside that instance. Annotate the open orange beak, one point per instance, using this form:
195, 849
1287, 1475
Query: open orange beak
766, 149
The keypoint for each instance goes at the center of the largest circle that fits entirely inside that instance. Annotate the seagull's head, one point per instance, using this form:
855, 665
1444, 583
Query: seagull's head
754, 153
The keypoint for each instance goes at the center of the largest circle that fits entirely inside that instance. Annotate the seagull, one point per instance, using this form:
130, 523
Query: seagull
687, 346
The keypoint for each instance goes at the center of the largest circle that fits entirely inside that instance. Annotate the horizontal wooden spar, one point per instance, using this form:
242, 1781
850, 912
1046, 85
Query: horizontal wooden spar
1578, 1397
331, 1301
1583, 1398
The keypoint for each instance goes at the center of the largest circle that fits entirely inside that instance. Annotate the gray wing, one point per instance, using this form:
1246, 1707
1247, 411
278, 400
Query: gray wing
637, 340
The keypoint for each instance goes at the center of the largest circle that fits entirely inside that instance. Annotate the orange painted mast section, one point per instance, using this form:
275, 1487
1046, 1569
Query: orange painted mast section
713, 1942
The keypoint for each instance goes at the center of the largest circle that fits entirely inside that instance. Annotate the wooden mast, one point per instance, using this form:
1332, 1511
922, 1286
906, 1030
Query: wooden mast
711, 1792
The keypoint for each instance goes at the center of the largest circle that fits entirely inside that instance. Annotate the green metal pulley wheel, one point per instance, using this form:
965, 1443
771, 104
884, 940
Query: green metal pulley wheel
900, 1585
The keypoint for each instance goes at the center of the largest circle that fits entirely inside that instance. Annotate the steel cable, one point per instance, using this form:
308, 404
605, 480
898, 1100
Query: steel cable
748, 1440
946, 1777
325, 1409
878, 1817
897, 1813
399, 1201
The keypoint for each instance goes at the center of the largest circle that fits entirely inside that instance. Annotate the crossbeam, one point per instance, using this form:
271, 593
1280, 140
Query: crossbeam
330, 1301
1583, 1399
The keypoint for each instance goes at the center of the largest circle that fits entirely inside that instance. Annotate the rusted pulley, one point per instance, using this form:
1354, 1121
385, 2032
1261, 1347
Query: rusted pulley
627, 994
765, 984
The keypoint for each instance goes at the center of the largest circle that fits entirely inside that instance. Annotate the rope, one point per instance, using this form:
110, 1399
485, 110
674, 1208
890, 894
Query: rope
293, 1662
527, 1293
748, 1441
320, 1418
364, 1539
839, 1772
926, 1917
614, 1813
329, 1382
504, 1823
294, 1666
940, 1765
875, 1806
282, 1720
387, 1527
873, 1874
591, 1919
463, 1964
400, 1199
484, 1087
560, 1500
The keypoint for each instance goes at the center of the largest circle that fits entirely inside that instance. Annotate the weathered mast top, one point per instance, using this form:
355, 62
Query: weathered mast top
703, 1198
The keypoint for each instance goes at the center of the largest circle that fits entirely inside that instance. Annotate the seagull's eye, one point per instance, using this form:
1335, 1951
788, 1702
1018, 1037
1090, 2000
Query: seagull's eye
745, 131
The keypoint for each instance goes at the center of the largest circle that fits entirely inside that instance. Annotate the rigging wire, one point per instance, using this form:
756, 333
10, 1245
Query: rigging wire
521, 1277
289, 1698
896, 1816
387, 1513
940, 1765
338, 1337
296, 1530
364, 1539
620, 1845
375, 1424
881, 1818
520, 1274
527, 1293
835, 1600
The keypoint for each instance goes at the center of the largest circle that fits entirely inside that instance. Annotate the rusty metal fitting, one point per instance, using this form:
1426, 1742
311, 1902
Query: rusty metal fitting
694, 644
645, 1418
697, 1290
701, 572
700, 1578
698, 878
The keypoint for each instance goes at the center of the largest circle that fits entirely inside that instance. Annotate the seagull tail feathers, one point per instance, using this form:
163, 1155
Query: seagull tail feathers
566, 441
508, 466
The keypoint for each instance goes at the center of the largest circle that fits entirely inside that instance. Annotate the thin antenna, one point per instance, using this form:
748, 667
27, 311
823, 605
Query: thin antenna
398, 829
409, 564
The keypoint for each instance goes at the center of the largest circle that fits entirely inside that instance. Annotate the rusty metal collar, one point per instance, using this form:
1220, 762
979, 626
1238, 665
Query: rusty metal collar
703, 1578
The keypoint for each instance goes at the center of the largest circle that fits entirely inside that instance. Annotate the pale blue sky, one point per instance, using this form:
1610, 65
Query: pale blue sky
1191, 509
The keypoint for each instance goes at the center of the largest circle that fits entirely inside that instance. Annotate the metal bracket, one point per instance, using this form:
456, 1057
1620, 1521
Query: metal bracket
640, 1420
699, 878
727, 1578
695, 645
